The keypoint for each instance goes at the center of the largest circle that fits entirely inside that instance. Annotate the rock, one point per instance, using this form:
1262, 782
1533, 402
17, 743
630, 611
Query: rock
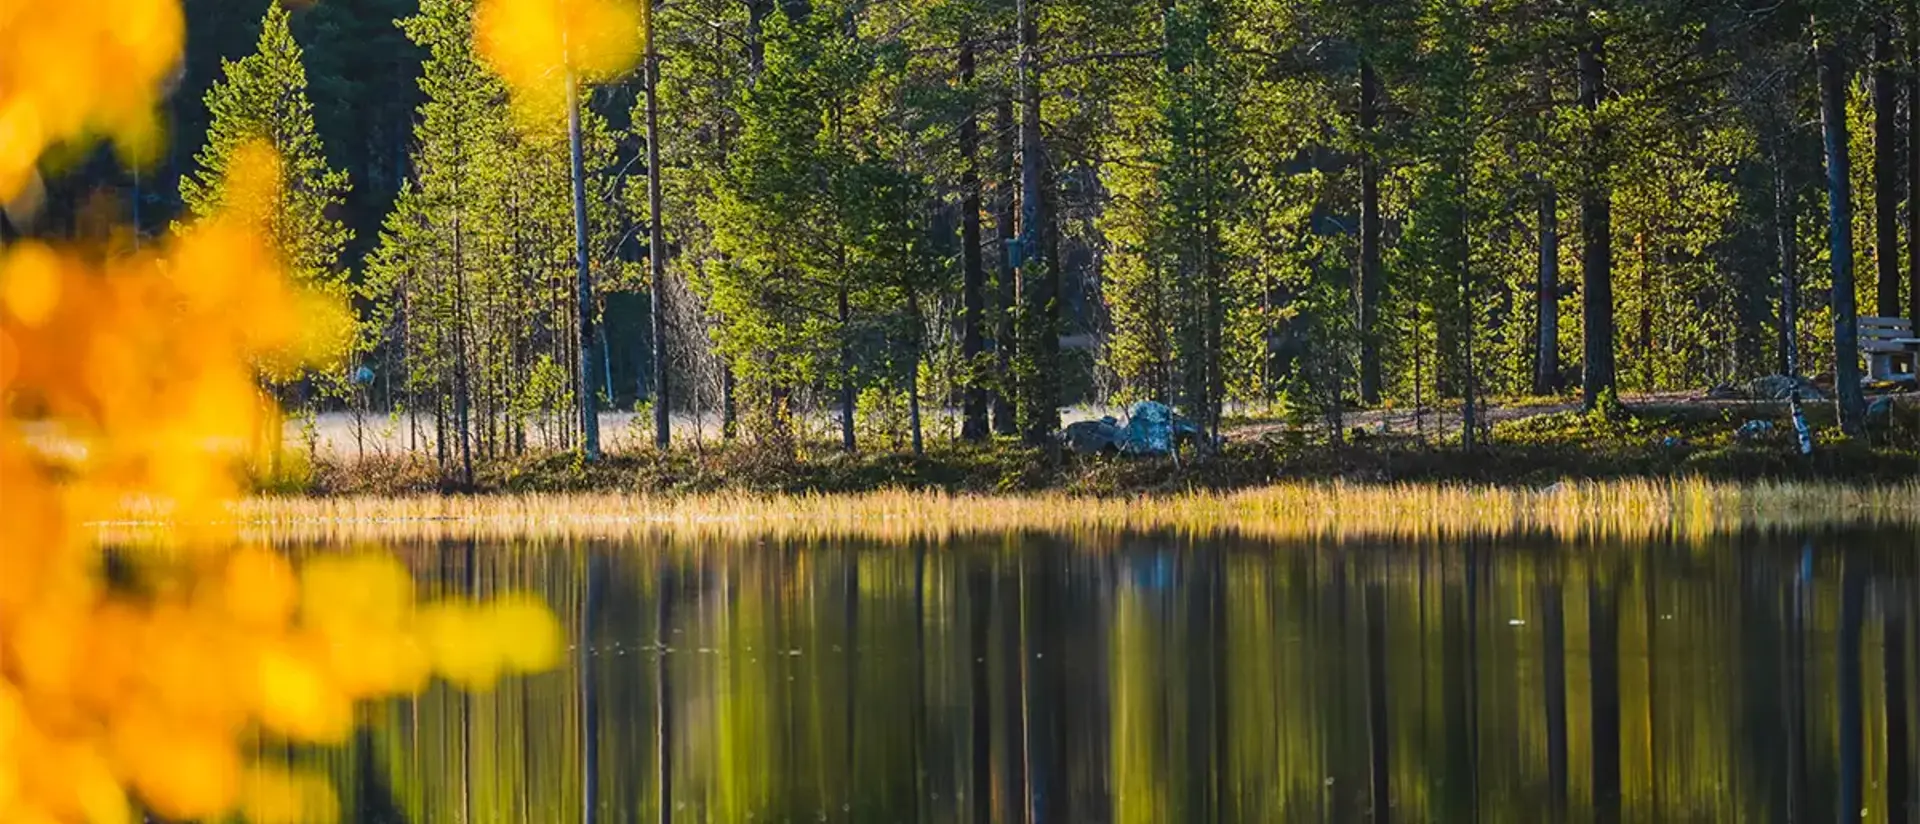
1092, 437
1152, 429
1782, 387
1880, 413
1754, 431
1725, 392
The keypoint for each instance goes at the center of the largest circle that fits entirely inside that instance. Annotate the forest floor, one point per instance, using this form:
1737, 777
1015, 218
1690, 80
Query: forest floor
1525, 443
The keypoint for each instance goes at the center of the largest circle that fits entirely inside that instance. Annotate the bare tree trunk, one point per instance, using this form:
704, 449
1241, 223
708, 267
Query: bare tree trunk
1370, 230
1913, 163
1785, 229
913, 375
462, 388
757, 11
657, 245
729, 410
583, 284
1469, 409
1886, 174
973, 426
1039, 267
1644, 338
1596, 235
1005, 339
1846, 342
846, 371
1546, 356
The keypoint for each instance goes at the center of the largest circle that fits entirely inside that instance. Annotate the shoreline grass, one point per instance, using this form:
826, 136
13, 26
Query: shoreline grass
1341, 511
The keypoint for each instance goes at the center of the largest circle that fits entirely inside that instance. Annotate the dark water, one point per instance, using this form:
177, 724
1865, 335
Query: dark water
1165, 679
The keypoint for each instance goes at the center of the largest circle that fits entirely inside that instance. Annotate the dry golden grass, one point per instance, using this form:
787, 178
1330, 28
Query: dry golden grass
1330, 511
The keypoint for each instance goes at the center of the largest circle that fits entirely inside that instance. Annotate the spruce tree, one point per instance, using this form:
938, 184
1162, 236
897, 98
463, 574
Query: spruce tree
263, 96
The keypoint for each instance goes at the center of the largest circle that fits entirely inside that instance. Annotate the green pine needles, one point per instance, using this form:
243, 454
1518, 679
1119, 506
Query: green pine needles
263, 96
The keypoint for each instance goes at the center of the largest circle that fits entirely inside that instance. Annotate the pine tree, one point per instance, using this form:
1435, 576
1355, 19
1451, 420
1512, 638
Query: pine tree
474, 274
1170, 298
263, 96
432, 251
815, 228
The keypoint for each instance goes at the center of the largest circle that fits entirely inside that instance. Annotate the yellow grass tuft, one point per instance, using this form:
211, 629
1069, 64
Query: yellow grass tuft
1634, 509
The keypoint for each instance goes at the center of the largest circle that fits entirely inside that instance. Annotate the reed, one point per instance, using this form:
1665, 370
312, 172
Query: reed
1626, 509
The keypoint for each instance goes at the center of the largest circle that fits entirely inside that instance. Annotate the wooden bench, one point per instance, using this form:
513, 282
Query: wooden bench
1889, 344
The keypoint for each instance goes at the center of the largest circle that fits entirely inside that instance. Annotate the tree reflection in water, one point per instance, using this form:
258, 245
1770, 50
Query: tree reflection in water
1162, 678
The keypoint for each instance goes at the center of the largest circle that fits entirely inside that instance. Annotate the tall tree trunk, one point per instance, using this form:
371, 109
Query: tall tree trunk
657, 245
918, 350
757, 11
846, 367
1913, 163
1846, 322
463, 379
1785, 229
1370, 229
1006, 343
1546, 327
729, 409
1546, 355
1469, 407
1886, 174
1039, 269
973, 299
1596, 234
583, 284
1644, 338
1216, 326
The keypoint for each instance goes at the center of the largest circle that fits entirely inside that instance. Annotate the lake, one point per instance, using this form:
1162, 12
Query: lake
1168, 678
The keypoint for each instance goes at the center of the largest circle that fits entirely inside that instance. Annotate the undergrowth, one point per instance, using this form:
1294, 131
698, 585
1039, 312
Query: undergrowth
1613, 442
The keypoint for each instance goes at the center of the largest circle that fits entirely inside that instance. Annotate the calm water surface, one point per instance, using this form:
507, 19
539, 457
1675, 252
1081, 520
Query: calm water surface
1173, 679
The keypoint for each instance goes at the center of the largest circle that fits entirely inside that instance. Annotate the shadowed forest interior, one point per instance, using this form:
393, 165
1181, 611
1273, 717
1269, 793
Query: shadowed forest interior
875, 222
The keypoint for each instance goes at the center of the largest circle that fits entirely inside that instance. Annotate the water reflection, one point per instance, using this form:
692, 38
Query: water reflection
1163, 679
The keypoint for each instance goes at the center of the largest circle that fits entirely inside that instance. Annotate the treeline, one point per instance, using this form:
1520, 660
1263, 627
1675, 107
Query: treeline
953, 217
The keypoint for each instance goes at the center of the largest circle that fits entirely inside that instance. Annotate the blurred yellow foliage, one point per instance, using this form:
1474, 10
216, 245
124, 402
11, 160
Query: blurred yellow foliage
78, 67
535, 44
270, 795
132, 381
